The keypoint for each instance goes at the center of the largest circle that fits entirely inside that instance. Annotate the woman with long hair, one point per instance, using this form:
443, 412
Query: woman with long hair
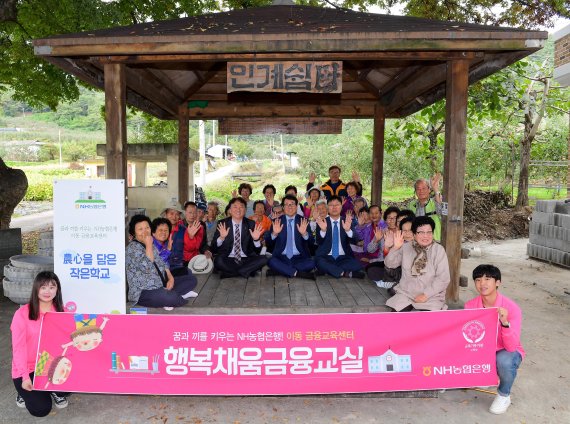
25, 327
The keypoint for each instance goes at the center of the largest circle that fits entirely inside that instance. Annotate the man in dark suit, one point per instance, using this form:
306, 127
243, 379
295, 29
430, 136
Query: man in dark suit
236, 243
289, 241
334, 255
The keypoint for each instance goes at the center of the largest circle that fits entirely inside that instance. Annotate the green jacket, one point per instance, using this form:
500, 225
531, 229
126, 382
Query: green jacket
430, 209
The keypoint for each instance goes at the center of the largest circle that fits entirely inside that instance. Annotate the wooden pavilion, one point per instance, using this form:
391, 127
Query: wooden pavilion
388, 67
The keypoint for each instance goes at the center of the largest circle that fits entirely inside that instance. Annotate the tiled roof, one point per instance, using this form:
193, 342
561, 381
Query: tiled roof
288, 19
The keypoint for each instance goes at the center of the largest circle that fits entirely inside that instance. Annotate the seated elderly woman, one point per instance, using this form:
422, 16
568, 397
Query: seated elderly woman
425, 270
150, 282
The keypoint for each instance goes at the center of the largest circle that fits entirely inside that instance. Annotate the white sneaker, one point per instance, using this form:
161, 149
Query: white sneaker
500, 404
168, 308
190, 294
385, 284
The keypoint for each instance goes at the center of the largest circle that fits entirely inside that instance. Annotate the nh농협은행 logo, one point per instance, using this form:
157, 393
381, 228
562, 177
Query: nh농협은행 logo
473, 331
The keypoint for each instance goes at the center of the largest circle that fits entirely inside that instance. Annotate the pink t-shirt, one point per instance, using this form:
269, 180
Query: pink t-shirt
507, 338
25, 340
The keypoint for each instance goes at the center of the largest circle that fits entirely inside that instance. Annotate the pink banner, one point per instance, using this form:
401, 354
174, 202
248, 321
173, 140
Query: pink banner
266, 354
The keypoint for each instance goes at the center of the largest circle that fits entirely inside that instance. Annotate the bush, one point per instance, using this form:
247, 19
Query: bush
57, 172
39, 192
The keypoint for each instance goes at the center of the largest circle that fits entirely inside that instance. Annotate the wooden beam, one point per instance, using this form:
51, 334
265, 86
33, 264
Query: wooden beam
266, 43
116, 122
258, 126
378, 154
372, 55
416, 84
360, 75
145, 85
183, 150
201, 79
454, 168
93, 75
480, 69
217, 110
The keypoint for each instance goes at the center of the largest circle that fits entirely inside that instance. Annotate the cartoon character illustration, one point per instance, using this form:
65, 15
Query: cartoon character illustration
87, 335
57, 369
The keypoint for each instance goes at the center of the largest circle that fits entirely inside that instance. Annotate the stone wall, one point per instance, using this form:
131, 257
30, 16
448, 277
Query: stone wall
550, 232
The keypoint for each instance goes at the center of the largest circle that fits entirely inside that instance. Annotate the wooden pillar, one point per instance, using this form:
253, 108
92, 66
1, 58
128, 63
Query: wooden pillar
378, 154
454, 167
116, 121
183, 152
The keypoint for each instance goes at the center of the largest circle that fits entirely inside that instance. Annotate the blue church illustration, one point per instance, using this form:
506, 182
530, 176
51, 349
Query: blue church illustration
389, 362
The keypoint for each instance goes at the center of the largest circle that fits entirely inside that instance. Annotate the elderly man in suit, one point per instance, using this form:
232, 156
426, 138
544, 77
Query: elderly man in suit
236, 243
289, 241
334, 236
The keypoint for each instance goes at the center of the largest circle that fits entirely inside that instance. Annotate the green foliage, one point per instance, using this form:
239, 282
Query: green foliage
39, 192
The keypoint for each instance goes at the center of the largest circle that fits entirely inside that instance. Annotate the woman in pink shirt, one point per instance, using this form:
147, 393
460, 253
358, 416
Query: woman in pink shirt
46, 297
510, 352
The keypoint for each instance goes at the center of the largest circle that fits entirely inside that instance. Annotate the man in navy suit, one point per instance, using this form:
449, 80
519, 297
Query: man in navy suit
289, 241
236, 243
334, 255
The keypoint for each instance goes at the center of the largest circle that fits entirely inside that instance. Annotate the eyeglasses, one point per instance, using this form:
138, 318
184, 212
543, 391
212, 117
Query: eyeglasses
424, 233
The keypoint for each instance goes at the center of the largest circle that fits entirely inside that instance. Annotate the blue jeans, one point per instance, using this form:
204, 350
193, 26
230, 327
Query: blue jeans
507, 366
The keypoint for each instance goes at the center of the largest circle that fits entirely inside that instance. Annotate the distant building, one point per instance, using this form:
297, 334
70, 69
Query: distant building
562, 56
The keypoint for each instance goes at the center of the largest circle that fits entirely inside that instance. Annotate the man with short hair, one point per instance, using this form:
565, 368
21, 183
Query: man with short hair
510, 352
334, 255
289, 242
237, 243
333, 187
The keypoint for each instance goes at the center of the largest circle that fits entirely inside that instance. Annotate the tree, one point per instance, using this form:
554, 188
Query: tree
41, 84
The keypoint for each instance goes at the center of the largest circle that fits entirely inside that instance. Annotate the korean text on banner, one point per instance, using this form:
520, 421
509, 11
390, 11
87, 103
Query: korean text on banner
89, 244
267, 354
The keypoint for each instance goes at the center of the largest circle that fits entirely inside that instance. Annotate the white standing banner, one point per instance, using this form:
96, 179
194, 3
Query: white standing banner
89, 244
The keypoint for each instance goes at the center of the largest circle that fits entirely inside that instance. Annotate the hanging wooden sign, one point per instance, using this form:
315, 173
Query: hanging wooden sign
261, 126
285, 77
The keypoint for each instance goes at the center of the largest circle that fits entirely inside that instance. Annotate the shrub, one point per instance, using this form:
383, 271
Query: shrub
39, 192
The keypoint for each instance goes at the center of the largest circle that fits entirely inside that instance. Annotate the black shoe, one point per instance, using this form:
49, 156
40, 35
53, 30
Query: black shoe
319, 273
60, 401
358, 274
391, 291
252, 274
271, 273
306, 275
20, 402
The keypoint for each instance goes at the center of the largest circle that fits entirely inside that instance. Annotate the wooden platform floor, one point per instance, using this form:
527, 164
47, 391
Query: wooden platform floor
278, 294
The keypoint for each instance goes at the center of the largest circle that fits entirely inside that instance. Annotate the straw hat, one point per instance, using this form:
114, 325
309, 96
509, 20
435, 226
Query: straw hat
174, 206
200, 264
321, 194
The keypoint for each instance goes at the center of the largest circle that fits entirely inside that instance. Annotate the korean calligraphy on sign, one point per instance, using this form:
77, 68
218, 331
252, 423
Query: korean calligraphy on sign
285, 77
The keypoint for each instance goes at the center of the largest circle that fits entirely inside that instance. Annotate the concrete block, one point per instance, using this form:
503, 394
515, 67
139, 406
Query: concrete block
543, 218
562, 220
548, 254
562, 208
545, 205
